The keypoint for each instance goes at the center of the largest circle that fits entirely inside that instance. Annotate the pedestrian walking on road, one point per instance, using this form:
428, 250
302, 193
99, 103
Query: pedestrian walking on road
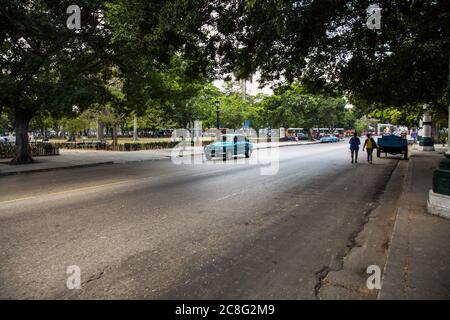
354, 147
414, 136
369, 145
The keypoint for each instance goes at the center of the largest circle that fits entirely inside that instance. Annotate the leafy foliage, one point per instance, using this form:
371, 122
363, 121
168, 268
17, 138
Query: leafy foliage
326, 45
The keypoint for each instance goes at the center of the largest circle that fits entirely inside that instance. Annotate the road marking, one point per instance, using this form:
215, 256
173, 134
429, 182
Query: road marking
143, 179
15, 200
65, 191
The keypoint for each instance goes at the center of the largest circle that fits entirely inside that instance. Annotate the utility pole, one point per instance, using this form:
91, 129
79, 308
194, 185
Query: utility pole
244, 95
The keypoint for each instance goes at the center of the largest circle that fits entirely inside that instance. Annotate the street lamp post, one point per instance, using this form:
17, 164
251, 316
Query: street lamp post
224, 149
217, 113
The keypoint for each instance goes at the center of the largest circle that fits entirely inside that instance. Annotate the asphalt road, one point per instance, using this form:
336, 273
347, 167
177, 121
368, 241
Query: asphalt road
158, 230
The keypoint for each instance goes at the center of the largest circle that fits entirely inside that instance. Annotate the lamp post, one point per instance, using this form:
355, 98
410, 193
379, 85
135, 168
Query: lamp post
217, 113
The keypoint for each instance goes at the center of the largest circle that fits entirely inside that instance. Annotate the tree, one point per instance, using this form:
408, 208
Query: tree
203, 105
361, 125
5, 123
257, 113
326, 45
74, 125
163, 53
47, 68
293, 106
154, 119
233, 109
42, 122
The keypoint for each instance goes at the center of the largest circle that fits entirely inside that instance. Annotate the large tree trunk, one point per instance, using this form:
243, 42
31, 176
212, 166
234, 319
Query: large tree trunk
100, 130
23, 152
436, 129
114, 136
135, 128
72, 137
311, 134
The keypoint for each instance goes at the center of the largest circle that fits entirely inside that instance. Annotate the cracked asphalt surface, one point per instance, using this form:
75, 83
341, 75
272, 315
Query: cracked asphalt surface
156, 230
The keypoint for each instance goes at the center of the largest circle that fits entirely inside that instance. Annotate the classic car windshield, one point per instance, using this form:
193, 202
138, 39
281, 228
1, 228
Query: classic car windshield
232, 138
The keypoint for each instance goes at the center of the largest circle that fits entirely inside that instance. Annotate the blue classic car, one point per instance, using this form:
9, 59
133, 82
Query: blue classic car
230, 145
327, 139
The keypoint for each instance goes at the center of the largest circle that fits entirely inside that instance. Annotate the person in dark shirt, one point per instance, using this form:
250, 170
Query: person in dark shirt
354, 147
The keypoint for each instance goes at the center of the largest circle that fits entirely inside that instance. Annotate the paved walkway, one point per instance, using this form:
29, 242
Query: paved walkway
86, 158
418, 264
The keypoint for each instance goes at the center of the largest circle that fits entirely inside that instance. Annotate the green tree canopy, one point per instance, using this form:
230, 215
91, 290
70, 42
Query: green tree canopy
148, 45
327, 45
295, 107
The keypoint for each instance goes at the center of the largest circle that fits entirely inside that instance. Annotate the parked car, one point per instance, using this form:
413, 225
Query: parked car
288, 138
392, 144
349, 133
327, 139
163, 133
297, 137
231, 146
8, 139
302, 136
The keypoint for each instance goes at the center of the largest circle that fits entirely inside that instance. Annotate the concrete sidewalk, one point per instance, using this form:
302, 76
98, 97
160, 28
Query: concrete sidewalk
88, 158
418, 263
410, 246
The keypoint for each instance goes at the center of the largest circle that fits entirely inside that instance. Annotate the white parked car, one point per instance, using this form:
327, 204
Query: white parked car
8, 139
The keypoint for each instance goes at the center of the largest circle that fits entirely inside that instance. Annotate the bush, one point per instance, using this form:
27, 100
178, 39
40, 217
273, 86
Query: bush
443, 139
133, 146
39, 149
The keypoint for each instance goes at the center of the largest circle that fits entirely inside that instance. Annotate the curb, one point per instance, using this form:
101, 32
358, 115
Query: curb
292, 145
5, 174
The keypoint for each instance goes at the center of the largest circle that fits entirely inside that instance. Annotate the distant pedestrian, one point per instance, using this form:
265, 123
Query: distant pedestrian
369, 145
414, 136
354, 147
